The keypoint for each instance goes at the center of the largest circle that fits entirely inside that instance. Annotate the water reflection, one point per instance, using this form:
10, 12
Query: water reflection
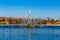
24, 34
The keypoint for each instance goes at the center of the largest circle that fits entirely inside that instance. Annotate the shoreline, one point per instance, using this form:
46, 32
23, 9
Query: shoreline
26, 26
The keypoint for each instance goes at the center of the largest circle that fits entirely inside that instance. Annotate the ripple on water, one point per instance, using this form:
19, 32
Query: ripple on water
23, 33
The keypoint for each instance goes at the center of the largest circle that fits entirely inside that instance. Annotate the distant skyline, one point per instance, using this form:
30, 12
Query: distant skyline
41, 8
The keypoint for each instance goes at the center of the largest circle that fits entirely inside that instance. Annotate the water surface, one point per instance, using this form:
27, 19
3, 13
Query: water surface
29, 33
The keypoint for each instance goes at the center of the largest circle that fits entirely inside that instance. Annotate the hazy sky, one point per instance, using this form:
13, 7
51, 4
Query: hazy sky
41, 8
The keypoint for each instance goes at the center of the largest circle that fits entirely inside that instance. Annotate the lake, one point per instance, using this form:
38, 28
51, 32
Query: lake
30, 33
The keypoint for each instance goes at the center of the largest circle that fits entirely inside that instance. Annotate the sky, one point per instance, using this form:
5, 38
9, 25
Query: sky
39, 8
